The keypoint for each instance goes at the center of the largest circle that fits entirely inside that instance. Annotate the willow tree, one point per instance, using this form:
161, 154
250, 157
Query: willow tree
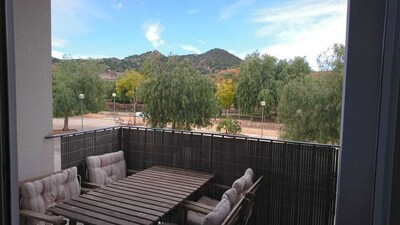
71, 78
310, 107
178, 95
256, 83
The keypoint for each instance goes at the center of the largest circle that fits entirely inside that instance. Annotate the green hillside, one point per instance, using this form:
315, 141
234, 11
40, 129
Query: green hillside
208, 62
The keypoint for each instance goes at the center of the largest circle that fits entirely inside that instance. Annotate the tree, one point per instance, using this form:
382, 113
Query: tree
225, 93
128, 85
177, 94
71, 78
256, 82
332, 59
310, 106
230, 126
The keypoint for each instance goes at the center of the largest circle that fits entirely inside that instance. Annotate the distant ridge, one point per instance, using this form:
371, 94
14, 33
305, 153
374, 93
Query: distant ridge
211, 61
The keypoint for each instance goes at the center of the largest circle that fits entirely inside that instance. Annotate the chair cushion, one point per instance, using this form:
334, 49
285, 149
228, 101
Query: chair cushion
218, 215
107, 168
194, 218
41, 194
239, 185
208, 201
248, 177
230, 195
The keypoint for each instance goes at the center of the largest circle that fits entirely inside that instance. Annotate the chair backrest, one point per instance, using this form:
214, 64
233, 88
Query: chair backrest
222, 209
107, 168
242, 211
38, 195
243, 184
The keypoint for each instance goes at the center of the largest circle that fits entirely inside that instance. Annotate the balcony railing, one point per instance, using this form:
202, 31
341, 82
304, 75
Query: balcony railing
300, 187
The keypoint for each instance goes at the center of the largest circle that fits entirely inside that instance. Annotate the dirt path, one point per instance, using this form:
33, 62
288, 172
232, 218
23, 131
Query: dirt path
96, 121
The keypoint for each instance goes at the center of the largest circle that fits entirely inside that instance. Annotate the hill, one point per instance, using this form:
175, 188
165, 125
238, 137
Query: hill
208, 62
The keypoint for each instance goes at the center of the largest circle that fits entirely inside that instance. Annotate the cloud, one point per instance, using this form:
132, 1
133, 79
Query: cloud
57, 54
73, 17
190, 48
228, 12
60, 55
116, 5
303, 28
200, 41
58, 42
193, 11
153, 34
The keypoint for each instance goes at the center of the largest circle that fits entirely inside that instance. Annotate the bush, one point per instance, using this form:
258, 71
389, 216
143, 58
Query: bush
230, 126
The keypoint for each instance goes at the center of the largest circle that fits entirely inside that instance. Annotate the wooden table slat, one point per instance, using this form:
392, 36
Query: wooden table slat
134, 194
191, 184
156, 187
145, 192
182, 171
81, 218
124, 205
172, 175
149, 189
110, 212
149, 180
100, 216
115, 208
142, 199
129, 201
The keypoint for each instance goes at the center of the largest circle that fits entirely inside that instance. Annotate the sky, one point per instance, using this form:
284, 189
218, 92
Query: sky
120, 28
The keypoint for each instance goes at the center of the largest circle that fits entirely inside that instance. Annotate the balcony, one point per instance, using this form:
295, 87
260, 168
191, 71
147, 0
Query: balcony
301, 178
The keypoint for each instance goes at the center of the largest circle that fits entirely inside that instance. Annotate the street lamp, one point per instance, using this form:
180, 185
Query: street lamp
114, 95
81, 97
262, 117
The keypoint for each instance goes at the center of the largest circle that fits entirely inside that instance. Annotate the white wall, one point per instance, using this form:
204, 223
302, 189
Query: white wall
32, 24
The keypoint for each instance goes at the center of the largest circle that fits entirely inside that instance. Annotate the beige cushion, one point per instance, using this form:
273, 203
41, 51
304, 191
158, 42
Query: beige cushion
41, 194
208, 201
230, 195
195, 218
107, 168
218, 215
239, 185
248, 177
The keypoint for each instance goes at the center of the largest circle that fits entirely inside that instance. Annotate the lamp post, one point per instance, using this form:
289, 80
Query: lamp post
81, 97
262, 117
114, 95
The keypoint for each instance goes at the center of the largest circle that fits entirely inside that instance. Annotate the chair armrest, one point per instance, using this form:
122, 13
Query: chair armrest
221, 186
197, 207
85, 190
130, 172
91, 185
57, 220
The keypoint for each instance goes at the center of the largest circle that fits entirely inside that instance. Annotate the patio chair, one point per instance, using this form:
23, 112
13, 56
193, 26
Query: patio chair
242, 208
207, 216
242, 212
105, 169
39, 194
241, 185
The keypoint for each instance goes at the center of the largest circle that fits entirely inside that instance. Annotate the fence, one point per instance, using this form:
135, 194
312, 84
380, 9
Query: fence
300, 187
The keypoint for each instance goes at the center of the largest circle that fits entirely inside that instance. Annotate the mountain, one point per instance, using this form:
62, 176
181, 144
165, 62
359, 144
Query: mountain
212, 61
206, 63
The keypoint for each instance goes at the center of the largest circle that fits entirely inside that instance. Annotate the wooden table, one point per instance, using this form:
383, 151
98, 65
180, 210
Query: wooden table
142, 198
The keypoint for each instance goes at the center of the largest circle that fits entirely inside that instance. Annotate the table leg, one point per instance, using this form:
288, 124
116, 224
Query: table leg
182, 215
